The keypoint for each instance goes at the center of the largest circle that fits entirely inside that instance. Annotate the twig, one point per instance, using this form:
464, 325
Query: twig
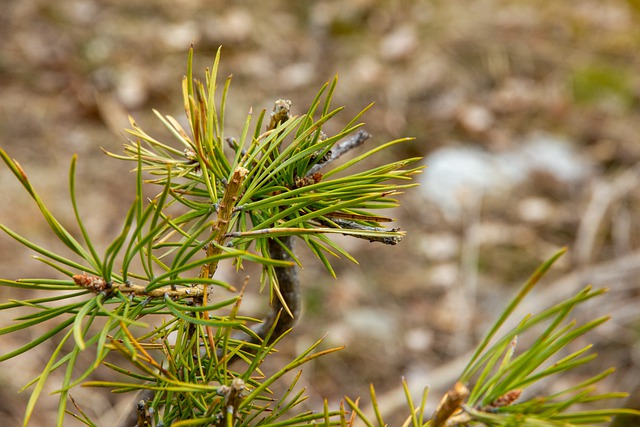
98, 285
349, 144
603, 195
221, 226
451, 402
144, 415
280, 114
233, 395
285, 310
351, 225
437, 379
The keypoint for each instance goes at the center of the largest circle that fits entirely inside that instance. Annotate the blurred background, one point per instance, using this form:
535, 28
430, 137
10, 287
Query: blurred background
526, 112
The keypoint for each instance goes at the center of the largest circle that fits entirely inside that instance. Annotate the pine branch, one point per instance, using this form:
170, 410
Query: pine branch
246, 207
221, 226
449, 405
98, 285
343, 147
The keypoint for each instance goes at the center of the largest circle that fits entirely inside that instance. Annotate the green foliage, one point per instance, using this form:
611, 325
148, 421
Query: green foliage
242, 201
602, 83
228, 200
489, 389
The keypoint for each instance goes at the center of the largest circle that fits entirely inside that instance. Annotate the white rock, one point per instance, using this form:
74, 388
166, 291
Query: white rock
457, 176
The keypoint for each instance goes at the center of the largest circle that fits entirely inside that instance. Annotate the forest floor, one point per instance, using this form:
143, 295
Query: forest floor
526, 114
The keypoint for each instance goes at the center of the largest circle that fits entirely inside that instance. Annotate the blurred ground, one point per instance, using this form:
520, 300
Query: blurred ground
529, 110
